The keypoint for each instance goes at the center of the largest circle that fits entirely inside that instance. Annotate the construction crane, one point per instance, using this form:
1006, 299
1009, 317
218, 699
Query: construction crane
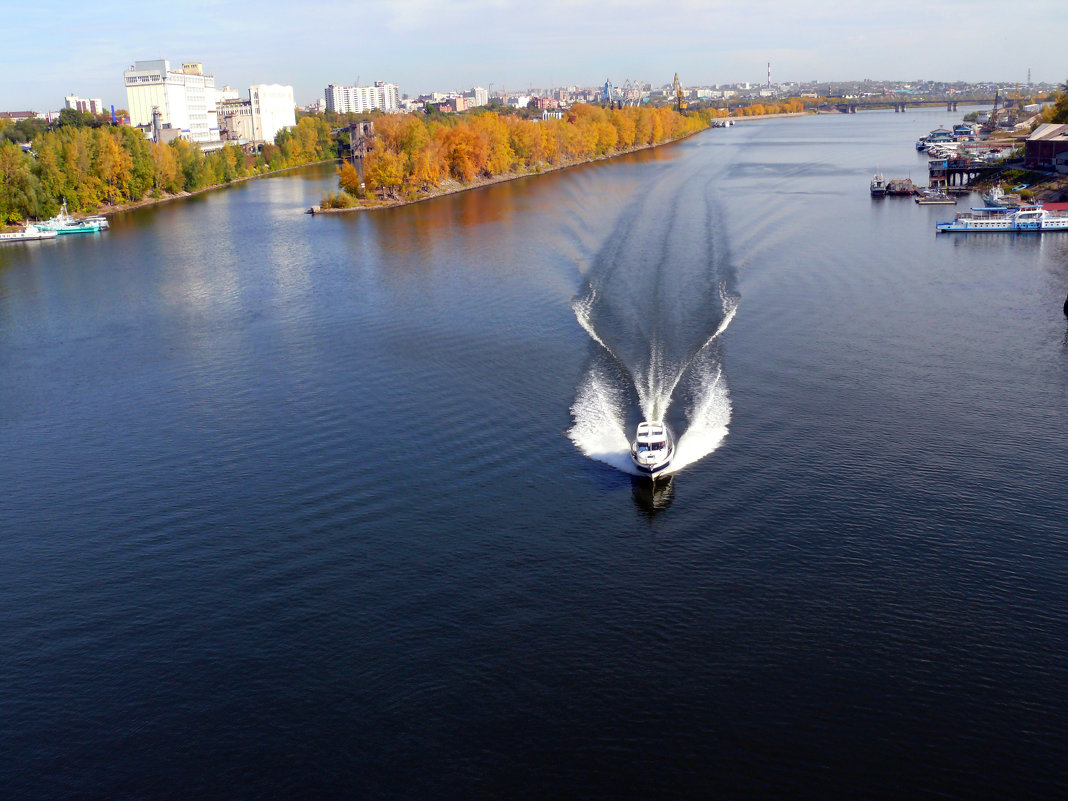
609, 92
680, 104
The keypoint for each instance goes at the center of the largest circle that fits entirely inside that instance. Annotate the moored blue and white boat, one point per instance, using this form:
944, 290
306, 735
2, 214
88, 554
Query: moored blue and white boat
63, 223
992, 219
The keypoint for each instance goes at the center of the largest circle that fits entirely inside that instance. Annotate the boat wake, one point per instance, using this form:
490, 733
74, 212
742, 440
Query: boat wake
657, 298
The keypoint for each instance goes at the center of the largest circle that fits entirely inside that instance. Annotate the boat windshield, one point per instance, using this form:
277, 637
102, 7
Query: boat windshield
651, 446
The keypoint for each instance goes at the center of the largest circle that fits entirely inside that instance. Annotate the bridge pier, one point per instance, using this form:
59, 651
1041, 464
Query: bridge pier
951, 105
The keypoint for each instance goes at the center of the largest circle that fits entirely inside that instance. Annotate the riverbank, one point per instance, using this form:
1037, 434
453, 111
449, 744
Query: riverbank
452, 186
169, 197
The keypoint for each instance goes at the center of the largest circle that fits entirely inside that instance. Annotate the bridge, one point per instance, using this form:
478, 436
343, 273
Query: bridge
852, 106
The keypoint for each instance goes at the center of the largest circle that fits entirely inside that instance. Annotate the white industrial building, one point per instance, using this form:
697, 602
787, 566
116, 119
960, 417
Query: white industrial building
272, 110
185, 98
268, 109
358, 99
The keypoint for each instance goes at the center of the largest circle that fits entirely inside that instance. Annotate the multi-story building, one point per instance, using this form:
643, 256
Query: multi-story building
477, 97
358, 99
272, 110
258, 118
185, 98
235, 120
92, 105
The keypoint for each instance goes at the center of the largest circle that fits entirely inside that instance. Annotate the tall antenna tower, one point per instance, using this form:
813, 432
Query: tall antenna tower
769, 75
1028, 77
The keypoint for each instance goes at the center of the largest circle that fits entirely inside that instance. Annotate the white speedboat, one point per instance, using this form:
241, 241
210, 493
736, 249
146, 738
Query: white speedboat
652, 449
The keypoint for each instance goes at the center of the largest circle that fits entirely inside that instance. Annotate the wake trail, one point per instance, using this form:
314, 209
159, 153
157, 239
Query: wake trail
658, 297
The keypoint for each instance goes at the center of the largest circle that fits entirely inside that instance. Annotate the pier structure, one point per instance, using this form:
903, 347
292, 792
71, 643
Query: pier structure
899, 107
360, 136
951, 105
959, 173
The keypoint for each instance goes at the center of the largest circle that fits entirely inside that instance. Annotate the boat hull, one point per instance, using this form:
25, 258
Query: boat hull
657, 470
30, 234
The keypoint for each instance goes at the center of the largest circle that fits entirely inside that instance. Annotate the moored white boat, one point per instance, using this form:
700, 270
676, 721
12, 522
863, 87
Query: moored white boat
878, 185
935, 197
27, 234
995, 197
652, 449
1000, 220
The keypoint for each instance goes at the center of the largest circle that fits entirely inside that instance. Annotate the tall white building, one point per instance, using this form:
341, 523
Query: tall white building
93, 105
478, 95
272, 110
343, 99
185, 98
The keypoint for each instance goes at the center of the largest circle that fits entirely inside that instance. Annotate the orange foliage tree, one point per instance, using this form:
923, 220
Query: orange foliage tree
412, 154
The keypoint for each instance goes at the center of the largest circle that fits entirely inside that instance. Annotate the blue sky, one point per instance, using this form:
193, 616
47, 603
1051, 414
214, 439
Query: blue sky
50, 49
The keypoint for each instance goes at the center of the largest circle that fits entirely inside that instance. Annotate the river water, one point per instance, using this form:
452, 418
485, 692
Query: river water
339, 506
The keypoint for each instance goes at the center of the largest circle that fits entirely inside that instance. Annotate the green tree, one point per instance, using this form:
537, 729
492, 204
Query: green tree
21, 195
1058, 112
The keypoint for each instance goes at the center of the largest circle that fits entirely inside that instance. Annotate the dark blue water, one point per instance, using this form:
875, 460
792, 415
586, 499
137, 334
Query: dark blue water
334, 507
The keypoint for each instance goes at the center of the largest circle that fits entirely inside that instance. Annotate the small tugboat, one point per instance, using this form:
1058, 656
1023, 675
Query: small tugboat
878, 185
652, 449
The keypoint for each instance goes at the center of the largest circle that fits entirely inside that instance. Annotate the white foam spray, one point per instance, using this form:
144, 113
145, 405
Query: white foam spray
600, 405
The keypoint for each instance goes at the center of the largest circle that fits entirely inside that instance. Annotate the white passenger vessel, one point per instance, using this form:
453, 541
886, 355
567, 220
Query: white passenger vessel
652, 449
1024, 218
27, 234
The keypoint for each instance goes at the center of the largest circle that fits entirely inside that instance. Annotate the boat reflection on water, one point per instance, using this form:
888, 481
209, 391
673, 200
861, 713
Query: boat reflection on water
653, 496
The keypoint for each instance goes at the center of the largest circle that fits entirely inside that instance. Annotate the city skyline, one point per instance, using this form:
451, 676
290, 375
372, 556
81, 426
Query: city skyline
424, 46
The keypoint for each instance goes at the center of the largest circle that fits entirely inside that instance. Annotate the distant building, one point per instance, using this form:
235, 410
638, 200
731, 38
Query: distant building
1046, 146
358, 99
185, 98
258, 118
272, 110
226, 93
92, 105
235, 120
18, 116
477, 97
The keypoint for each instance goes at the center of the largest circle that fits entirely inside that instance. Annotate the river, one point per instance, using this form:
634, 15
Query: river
339, 506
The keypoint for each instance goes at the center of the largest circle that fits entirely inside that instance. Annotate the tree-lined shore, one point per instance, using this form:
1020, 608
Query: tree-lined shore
95, 169
415, 156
